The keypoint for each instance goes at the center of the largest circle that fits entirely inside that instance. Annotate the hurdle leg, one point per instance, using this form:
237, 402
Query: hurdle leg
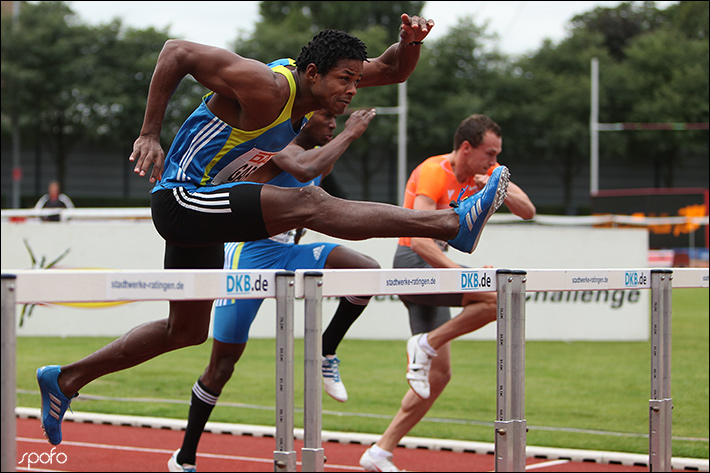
661, 404
510, 425
312, 455
284, 455
9, 382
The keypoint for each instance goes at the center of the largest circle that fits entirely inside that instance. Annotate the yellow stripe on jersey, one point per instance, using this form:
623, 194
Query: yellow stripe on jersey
237, 137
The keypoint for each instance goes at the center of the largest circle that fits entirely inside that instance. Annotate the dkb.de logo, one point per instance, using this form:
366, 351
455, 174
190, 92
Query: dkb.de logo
475, 280
243, 283
635, 279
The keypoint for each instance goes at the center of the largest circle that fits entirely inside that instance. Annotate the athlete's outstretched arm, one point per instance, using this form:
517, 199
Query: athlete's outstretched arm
519, 203
397, 63
516, 199
308, 164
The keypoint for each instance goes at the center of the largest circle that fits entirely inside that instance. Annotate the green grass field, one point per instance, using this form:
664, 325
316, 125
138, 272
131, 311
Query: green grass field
587, 395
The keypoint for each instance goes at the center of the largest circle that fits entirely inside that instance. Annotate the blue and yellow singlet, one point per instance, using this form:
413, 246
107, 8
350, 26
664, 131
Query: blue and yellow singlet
208, 152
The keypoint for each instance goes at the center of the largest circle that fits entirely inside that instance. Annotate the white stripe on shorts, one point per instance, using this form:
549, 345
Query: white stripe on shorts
217, 202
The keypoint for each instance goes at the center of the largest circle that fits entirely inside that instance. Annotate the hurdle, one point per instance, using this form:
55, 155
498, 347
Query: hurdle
511, 287
35, 286
38, 286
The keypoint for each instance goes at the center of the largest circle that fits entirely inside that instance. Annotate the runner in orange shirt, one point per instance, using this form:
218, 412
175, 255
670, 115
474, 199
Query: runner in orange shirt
434, 184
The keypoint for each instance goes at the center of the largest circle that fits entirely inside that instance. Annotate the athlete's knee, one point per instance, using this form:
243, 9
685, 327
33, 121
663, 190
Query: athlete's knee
486, 303
181, 336
222, 373
369, 262
187, 338
491, 311
343, 257
438, 379
313, 201
220, 370
312, 195
188, 323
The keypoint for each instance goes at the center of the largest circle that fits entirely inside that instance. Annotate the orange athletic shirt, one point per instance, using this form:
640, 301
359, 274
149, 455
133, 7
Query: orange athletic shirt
435, 179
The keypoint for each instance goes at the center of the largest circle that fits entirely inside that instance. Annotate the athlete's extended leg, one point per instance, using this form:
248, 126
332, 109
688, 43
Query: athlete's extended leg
205, 394
187, 324
413, 407
311, 207
345, 315
350, 308
479, 310
232, 321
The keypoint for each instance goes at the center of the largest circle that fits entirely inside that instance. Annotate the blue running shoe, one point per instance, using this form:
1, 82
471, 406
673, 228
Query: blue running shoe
474, 211
54, 402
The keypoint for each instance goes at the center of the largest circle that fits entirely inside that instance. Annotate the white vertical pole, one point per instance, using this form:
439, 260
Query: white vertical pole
661, 404
402, 143
312, 453
9, 375
510, 425
594, 130
284, 454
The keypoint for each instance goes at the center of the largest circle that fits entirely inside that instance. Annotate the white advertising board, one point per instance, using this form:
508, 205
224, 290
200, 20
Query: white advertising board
587, 314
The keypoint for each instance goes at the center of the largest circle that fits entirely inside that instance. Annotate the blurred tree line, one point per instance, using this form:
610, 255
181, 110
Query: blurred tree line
66, 83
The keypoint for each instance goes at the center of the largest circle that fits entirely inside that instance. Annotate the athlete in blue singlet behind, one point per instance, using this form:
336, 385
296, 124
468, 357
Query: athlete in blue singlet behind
310, 156
201, 200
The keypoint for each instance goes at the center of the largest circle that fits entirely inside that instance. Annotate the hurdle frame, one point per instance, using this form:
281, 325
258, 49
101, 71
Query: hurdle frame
510, 425
151, 285
285, 452
511, 286
312, 453
660, 418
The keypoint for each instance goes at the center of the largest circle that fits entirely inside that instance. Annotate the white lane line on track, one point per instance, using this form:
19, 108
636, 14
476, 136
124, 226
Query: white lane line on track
545, 464
69, 443
24, 468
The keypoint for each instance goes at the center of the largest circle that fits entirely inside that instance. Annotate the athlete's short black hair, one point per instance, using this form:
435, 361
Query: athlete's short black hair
328, 47
473, 129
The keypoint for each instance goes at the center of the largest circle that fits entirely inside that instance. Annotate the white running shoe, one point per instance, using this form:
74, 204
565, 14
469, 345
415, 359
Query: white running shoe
331, 378
371, 464
173, 465
419, 363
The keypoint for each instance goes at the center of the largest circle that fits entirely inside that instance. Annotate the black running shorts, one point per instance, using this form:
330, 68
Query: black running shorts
195, 225
426, 311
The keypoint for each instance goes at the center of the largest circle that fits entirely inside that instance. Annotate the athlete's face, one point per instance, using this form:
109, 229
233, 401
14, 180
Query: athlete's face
336, 89
320, 127
478, 160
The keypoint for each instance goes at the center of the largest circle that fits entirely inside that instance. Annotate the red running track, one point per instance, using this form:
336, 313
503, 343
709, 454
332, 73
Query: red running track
98, 447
